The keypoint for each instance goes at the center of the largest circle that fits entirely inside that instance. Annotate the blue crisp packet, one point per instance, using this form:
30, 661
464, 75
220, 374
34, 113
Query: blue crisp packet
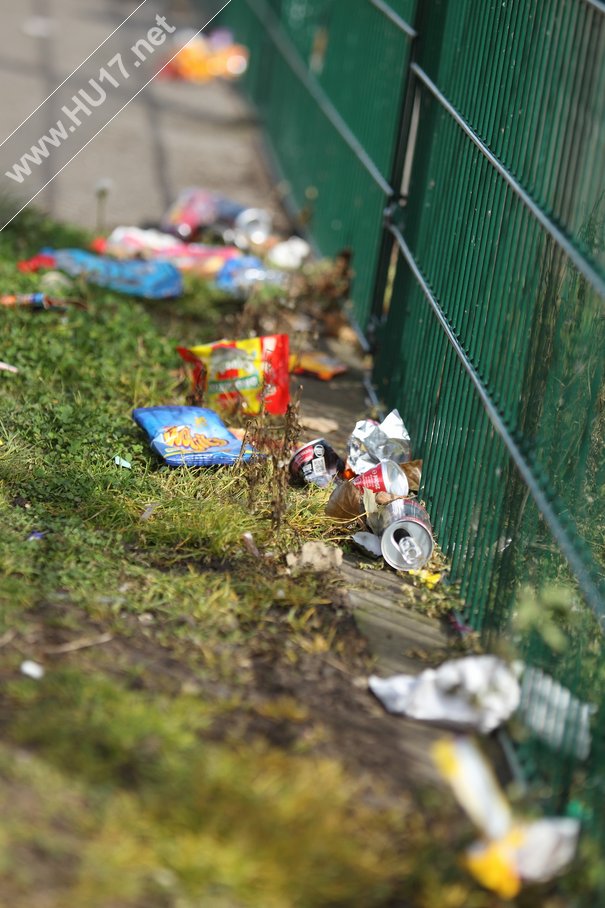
150, 280
191, 436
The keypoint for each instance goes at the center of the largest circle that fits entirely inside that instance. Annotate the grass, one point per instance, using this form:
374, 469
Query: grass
155, 764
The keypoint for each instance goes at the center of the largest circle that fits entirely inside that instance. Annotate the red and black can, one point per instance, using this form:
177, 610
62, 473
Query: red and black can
316, 462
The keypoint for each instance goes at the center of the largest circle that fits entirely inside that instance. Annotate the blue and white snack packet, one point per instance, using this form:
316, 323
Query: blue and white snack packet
191, 436
149, 280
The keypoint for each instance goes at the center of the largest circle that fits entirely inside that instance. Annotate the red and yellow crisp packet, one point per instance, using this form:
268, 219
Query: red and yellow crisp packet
244, 373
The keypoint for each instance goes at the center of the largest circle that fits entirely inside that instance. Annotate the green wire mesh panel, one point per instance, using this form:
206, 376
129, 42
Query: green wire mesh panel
493, 329
493, 350
328, 78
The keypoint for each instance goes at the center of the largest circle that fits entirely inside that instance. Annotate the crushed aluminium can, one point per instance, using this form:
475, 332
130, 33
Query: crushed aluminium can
386, 477
406, 534
316, 462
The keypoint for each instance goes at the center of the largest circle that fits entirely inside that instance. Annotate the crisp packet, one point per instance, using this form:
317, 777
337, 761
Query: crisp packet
321, 365
243, 374
191, 436
149, 280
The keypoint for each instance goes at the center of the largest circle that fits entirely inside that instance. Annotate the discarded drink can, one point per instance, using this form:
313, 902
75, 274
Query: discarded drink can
316, 462
406, 534
199, 209
386, 477
252, 225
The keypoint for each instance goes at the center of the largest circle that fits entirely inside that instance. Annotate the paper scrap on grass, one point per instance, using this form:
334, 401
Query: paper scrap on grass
120, 462
316, 557
479, 692
32, 669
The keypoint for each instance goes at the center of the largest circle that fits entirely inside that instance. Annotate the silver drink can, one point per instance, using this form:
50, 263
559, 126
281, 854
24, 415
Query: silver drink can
406, 534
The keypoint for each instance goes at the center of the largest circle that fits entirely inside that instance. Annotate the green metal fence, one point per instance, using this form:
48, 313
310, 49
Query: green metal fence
464, 142
330, 97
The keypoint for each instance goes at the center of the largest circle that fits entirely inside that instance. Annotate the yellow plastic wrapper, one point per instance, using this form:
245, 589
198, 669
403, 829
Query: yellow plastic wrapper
493, 864
242, 375
512, 851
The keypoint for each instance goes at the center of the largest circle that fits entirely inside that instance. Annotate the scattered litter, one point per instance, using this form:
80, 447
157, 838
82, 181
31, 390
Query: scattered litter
320, 365
317, 557
513, 851
120, 462
202, 58
459, 625
244, 374
34, 301
37, 535
474, 784
55, 283
6, 367
132, 242
196, 210
191, 436
368, 543
149, 280
550, 710
239, 276
372, 443
386, 477
150, 510
250, 545
32, 670
36, 263
405, 530
316, 462
428, 579
289, 255
479, 691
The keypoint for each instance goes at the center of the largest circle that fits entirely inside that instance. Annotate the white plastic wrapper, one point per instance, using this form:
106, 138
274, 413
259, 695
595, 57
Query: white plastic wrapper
513, 851
372, 443
289, 255
475, 786
547, 848
368, 543
476, 692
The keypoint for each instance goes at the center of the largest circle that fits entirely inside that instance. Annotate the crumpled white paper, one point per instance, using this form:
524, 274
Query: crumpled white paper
548, 846
478, 691
371, 443
289, 255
